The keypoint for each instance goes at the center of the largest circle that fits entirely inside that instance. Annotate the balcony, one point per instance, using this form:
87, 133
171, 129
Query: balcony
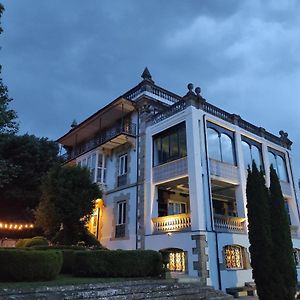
294, 231
172, 223
110, 138
224, 171
229, 224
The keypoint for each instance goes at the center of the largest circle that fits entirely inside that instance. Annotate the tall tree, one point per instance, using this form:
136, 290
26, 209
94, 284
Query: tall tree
31, 158
68, 198
284, 268
8, 116
260, 233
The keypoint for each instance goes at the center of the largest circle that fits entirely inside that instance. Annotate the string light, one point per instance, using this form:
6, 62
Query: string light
15, 226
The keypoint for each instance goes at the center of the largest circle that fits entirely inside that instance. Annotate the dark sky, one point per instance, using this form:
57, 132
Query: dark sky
63, 60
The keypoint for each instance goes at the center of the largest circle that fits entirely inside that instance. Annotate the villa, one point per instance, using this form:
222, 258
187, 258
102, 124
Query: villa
173, 172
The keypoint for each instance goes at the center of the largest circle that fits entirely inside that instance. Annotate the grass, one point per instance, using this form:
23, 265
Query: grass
60, 281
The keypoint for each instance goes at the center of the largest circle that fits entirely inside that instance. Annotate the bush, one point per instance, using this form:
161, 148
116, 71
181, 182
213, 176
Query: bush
35, 241
118, 263
29, 265
21, 243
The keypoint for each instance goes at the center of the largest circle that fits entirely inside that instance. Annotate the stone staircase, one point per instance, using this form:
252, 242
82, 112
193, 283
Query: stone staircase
126, 290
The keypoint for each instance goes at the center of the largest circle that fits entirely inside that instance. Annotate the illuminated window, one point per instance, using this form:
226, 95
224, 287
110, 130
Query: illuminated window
233, 257
176, 262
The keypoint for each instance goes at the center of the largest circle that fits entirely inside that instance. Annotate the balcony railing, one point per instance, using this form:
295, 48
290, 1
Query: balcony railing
229, 224
224, 170
105, 136
172, 223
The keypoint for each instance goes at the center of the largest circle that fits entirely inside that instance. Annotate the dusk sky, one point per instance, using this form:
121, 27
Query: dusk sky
63, 60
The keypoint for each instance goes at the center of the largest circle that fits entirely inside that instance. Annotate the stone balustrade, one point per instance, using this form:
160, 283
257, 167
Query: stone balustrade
229, 224
172, 223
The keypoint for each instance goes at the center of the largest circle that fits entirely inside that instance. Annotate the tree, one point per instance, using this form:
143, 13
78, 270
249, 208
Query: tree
27, 159
284, 268
68, 199
260, 233
8, 116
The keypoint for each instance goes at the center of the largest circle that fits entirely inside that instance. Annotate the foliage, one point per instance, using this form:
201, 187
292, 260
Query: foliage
35, 241
284, 269
260, 233
70, 193
83, 237
32, 158
118, 263
8, 123
29, 265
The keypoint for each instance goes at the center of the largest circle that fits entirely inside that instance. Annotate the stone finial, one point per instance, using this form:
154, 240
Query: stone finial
236, 118
286, 142
74, 124
147, 76
198, 90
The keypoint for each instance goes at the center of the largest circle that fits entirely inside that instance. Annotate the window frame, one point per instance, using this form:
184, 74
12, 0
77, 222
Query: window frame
241, 258
277, 153
123, 164
166, 135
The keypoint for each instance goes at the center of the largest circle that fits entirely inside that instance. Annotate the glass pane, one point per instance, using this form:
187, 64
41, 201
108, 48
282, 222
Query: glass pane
120, 213
272, 161
100, 158
281, 168
157, 153
125, 164
124, 213
183, 210
174, 145
165, 148
256, 156
227, 149
213, 144
247, 154
182, 142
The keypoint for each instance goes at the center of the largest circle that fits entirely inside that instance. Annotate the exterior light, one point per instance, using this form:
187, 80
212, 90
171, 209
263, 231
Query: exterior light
169, 233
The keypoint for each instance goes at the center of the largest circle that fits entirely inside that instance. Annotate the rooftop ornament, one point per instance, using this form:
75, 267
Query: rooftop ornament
286, 142
147, 76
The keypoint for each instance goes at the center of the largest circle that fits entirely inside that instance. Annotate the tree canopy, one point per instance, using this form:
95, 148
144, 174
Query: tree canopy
68, 199
27, 159
8, 123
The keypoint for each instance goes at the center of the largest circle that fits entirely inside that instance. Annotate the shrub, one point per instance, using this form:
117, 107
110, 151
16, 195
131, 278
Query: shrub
118, 263
29, 265
35, 241
21, 243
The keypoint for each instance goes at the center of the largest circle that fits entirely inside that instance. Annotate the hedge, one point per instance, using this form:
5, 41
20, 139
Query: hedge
29, 265
118, 263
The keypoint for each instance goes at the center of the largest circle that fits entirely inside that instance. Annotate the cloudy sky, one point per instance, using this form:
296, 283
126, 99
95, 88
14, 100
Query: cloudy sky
63, 60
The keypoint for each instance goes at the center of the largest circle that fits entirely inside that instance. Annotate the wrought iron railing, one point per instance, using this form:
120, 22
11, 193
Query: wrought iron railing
105, 136
229, 224
172, 223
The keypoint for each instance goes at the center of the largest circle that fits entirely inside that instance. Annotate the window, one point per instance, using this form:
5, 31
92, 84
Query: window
176, 262
220, 144
169, 144
287, 209
296, 253
90, 163
121, 219
251, 152
277, 159
175, 208
101, 168
233, 257
93, 166
123, 164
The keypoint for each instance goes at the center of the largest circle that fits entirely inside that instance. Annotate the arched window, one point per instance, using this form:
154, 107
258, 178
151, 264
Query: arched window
281, 168
226, 149
247, 154
220, 145
234, 257
256, 156
213, 141
277, 160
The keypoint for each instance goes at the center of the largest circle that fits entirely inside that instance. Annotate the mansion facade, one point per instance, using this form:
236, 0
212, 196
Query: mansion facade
173, 172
